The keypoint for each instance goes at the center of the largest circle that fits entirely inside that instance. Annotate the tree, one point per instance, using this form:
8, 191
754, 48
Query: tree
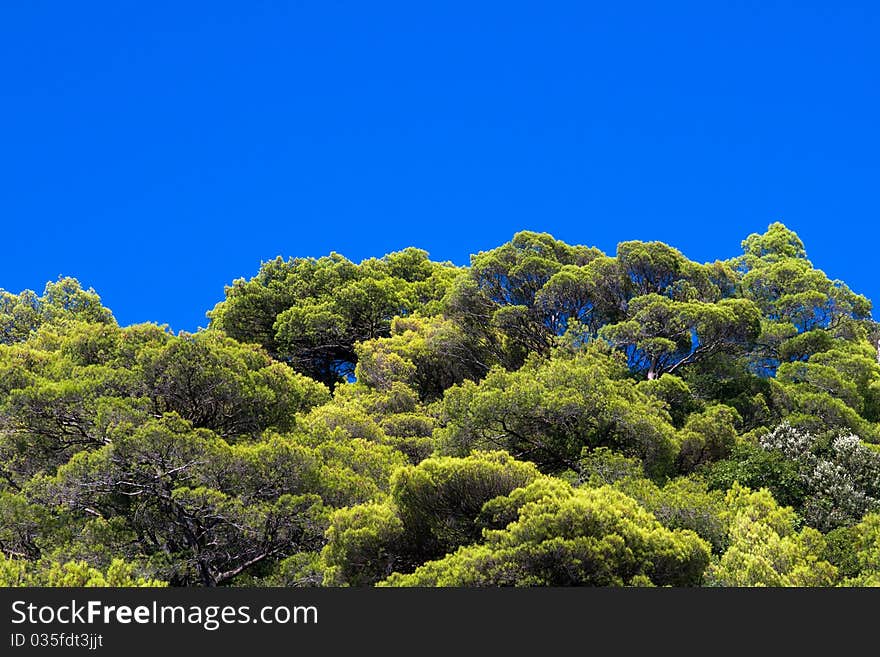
435, 507
675, 394
19, 316
514, 273
16, 572
429, 354
662, 335
363, 545
777, 243
650, 267
62, 300
708, 436
440, 499
219, 384
683, 503
792, 291
866, 549
71, 385
585, 537
548, 415
753, 467
311, 312
548, 411
500, 304
765, 549
202, 511
841, 480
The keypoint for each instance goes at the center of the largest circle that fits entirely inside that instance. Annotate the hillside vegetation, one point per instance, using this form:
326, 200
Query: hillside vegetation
549, 415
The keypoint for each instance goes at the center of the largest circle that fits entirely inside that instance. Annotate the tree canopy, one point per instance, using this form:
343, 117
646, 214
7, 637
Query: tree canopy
548, 415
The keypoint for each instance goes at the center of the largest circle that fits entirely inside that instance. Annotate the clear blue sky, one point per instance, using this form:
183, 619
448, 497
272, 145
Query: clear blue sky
159, 150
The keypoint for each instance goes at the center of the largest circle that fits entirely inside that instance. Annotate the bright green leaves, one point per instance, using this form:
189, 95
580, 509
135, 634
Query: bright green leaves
765, 548
590, 295
778, 243
230, 388
546, 533
364, 545
855, 551
708, 436
867, 548
202, 511
16, 572
20, 525
804, 345
755, 467
434, 508
547, 412
73, 388
799, 304
250, 309
675, 395
514, 273
792, 291
20, 315
596, 537
43, 424
508, 298
427, 354
535, 288
65, 299
62, 300
683, 503
312, 312
650, 267
440, 499
318, 337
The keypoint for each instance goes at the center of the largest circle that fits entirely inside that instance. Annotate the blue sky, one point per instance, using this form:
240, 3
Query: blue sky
157, 151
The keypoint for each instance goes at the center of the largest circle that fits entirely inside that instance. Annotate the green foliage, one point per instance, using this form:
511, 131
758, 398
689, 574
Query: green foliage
683, 503
439, 499
675, 394
514, 273
518, 298
765, 548
591, 295
363, 545
548, 415
778, 243
428, 354
312, 312
230, 388
756, 468
601, 466
16, 572
548, 411
866, 546
20, 524
708, 436
597, 537
803, 345
660, 335
62, 301
434, 508
75, 385
201, 511
791, 291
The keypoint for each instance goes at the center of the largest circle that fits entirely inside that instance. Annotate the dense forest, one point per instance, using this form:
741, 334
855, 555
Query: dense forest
549, 415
